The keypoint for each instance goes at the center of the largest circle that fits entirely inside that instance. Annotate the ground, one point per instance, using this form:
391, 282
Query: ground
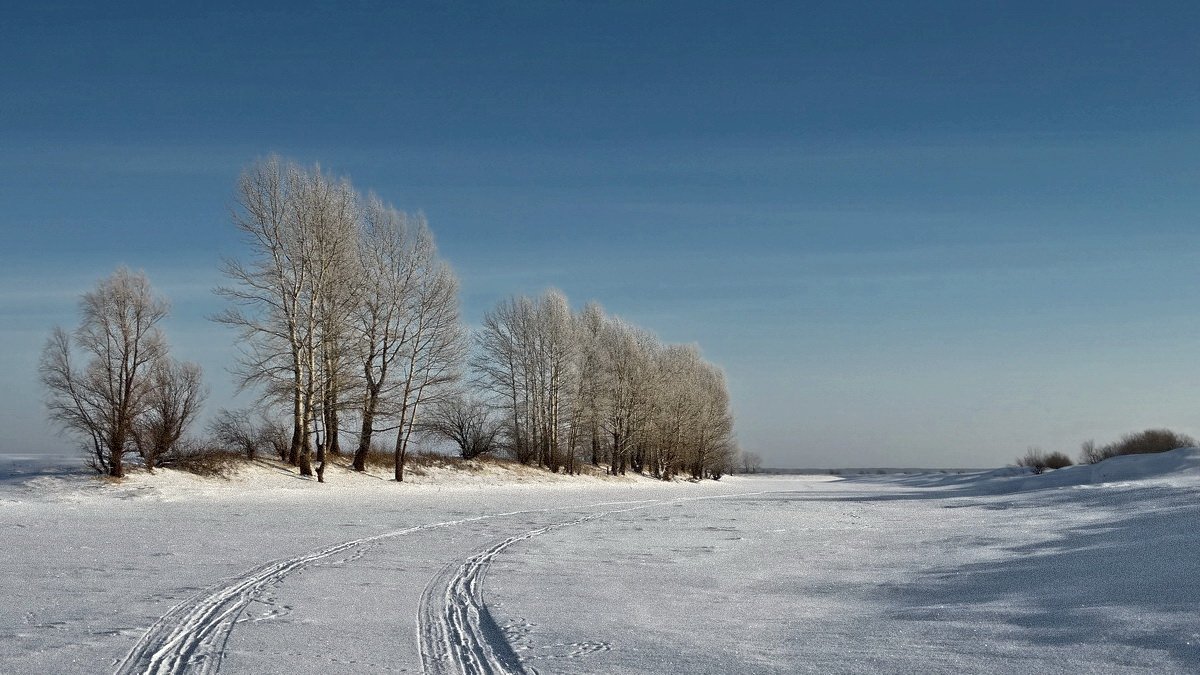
1077, 571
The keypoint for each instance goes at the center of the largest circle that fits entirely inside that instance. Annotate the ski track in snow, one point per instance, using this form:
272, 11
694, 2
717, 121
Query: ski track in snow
457, 633
191, 637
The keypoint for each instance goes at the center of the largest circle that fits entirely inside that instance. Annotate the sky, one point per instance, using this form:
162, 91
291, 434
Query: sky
913, 234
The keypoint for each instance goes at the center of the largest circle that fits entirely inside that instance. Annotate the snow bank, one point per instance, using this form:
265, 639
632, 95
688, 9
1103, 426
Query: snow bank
1178, 467
68, 481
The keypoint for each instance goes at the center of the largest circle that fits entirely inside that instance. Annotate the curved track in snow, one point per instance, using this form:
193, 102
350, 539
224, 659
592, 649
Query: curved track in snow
192, 636
457, 631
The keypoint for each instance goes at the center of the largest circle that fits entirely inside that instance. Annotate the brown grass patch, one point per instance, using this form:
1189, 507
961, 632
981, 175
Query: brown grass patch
206, 461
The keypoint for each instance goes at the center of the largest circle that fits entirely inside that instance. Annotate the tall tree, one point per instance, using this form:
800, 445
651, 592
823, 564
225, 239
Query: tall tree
299, 228
102, 399
502, 366
626, 353
589, 383
435, 353
394, 251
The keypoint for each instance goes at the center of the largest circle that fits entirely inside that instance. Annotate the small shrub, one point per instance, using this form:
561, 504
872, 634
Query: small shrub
1058, 460
1039, 461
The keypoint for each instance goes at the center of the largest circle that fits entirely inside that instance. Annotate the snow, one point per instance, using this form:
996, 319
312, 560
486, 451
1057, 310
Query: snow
1086, 569
1180, 467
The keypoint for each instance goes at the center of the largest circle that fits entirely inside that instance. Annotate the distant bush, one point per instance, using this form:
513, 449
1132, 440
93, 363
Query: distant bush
240, 431
1058, 460
1090, 453
1142, 443
203, 460
1039, 461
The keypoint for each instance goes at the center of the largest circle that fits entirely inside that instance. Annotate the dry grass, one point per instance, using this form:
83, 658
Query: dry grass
417, 463
206, 461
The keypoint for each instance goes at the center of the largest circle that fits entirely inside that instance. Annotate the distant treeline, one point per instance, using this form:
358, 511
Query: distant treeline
348, 327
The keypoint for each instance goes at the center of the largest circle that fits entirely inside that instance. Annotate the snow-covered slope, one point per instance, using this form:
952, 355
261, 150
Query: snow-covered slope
492, 572
67, 480
1177, 467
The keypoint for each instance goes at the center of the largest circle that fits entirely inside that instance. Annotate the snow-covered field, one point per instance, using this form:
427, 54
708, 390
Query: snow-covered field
1090, 569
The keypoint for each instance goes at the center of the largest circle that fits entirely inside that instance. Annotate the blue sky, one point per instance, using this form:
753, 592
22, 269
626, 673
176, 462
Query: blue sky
912, 233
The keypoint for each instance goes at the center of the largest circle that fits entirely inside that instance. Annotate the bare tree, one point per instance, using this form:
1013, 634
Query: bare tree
465, 420
501, 364
585, 424
676, 413
626, 354
751, 462
175, 398
570, 382
101, 400
299, 226
329, 215
554, 347
434, 356
395, 252
235, 429
713, 448
528, 358
267, 291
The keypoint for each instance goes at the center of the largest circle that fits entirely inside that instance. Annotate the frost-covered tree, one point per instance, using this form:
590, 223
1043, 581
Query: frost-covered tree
465, 420
751, 462
102, 397
591, 385
501, 363
330, 215
589, 382
396, 254
527, 357
432, 361
299, 226
626, 354
172, 404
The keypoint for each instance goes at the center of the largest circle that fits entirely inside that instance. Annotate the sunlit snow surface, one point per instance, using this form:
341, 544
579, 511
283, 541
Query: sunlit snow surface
1091, 569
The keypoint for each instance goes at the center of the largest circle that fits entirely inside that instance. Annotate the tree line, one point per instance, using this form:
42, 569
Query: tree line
348, 327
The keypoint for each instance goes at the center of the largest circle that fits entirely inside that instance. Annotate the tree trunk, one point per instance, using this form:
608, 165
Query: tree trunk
304, 460
116, 451
321, 451
364, 439
370, 405
293, 456
298, 413
332, 436
595, 446
399, 458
